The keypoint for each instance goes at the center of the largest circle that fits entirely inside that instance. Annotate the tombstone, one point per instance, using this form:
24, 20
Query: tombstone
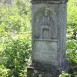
48, 38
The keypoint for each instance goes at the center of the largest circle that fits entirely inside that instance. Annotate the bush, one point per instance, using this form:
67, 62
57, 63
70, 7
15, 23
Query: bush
71, 29
63, 74
15, 38
71, 18
16, 55
4, 72
71, 36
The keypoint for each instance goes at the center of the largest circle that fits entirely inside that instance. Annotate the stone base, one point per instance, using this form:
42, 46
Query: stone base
35, 72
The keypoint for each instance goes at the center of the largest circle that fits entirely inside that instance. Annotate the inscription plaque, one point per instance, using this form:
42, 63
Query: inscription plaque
45, 51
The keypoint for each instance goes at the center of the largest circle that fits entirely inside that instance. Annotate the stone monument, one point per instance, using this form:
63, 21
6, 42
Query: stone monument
48, 38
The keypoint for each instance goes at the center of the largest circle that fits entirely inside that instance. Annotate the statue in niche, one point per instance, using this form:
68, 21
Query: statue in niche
45, 26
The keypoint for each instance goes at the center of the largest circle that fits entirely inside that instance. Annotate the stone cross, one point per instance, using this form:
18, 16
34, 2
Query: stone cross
48, 38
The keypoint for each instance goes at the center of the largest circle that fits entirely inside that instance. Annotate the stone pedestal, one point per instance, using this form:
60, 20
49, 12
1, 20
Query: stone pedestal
48, 38
35, 72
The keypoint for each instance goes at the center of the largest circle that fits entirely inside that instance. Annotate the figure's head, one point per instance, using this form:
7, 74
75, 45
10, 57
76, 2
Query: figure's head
46, 12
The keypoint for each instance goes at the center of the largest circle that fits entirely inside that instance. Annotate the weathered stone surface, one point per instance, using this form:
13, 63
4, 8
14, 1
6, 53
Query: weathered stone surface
45, 51
48, 38
49, 1
32, 73
49, 33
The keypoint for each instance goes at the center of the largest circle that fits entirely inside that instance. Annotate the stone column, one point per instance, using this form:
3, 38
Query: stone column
48, 38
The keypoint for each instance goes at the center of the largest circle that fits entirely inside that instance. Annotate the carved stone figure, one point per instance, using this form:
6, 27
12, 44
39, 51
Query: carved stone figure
45, 26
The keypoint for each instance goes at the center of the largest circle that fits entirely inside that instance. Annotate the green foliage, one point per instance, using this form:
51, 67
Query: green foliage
15, 39
23, 73
71, 29
72, 52
3, 71
71, 18
16, 55
63, 74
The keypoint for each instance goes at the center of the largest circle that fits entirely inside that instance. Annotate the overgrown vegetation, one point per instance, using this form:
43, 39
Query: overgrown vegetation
71, 32
72, 36
15, 39
63, 74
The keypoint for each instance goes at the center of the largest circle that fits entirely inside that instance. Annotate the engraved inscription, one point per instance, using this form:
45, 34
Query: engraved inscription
45, 51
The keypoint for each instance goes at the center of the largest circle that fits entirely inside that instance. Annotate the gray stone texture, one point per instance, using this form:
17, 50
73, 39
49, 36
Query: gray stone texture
48, 38
49, 1
49, 33
33, 72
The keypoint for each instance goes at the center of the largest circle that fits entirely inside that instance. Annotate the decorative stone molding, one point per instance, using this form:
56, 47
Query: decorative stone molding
49, 1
